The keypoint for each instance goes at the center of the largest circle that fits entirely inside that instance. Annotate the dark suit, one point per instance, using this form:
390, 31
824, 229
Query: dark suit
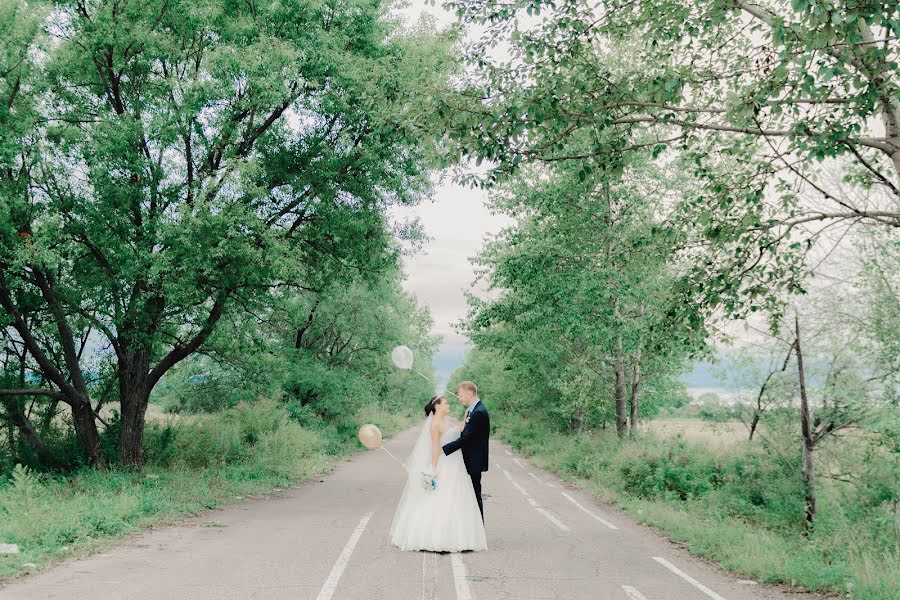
473, 441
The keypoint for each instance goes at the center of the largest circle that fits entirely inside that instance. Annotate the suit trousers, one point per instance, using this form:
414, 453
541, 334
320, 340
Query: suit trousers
476, 485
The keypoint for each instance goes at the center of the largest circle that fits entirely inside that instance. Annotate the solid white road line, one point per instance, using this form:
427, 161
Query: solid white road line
338, 569
424, 554
688, 578
463, 592
538, 479
597, 517
429, 574
632, 593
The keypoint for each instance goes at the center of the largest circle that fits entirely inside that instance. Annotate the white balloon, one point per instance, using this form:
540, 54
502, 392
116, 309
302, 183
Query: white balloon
402, 357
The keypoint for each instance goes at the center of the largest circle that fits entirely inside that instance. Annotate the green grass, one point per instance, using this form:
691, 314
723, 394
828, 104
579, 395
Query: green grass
739, 507
197, 464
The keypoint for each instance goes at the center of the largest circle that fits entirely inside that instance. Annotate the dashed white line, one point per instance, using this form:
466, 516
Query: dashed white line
688, 578
508, 453
463, 591
534, 503
338, 569
632, 593
552, 519
591, 513
538, 479
521, 463
515, 483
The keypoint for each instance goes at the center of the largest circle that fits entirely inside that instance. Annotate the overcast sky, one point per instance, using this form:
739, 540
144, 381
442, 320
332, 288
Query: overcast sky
457, 221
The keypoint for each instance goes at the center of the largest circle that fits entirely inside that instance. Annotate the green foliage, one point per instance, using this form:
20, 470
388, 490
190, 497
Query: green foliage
586, 293
168, 167
778, 116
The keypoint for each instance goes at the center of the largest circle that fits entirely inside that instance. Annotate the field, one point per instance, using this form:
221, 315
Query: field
714, 435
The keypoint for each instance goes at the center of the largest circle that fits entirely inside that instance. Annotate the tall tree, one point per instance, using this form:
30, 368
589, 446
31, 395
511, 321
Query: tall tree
786, 114
585, 270
166, 162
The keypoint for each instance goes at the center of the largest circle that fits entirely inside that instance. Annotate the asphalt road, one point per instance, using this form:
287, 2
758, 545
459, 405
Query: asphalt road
328, 540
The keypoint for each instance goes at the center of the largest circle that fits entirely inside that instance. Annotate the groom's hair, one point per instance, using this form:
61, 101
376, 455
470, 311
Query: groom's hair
469, 387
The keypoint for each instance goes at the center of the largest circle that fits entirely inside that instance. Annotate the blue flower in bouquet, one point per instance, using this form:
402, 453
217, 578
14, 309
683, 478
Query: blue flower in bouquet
429, 481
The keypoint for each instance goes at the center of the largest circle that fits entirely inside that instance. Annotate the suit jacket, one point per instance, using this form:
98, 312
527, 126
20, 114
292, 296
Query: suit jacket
473, 441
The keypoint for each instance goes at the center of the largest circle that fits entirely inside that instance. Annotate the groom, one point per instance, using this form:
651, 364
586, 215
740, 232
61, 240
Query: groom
473, 441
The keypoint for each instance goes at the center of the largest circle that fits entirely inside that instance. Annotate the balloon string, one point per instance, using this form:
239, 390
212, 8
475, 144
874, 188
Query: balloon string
392, 456
429, 380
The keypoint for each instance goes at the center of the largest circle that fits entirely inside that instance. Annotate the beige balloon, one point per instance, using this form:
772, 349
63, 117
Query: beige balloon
370, 436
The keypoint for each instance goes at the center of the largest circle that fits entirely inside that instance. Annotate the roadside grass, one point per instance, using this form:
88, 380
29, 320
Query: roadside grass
733, 503
192, 465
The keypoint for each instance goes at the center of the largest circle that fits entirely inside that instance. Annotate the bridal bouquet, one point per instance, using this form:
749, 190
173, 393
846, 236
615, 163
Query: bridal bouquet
429, 481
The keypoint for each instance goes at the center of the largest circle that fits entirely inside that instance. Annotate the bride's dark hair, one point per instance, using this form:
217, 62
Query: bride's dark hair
431, 407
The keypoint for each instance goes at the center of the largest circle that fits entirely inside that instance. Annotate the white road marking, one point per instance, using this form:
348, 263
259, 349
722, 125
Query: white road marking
534, 503
463, 592
633, 594
521, 463
423, 575
688, 578
522, 490
508, 453
536, 478
430, 594
591, 513
552, 519
338, 569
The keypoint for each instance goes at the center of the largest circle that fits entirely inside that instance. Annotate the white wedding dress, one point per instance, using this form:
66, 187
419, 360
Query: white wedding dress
446, 519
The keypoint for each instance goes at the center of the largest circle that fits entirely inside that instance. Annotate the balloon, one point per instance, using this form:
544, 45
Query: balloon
402, 357
370, 436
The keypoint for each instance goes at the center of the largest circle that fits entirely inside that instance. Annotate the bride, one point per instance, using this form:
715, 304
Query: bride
442, 517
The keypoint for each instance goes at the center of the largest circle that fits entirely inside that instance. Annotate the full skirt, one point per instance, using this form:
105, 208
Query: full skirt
446, 519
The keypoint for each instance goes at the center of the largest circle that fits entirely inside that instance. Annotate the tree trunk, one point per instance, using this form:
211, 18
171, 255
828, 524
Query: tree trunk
619, 366
134, 395
19, 420
131, 433
82, 411
635, 391
757, 412
11, 440
754, 423
809, 473
636, 382
86, 430
71, 384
